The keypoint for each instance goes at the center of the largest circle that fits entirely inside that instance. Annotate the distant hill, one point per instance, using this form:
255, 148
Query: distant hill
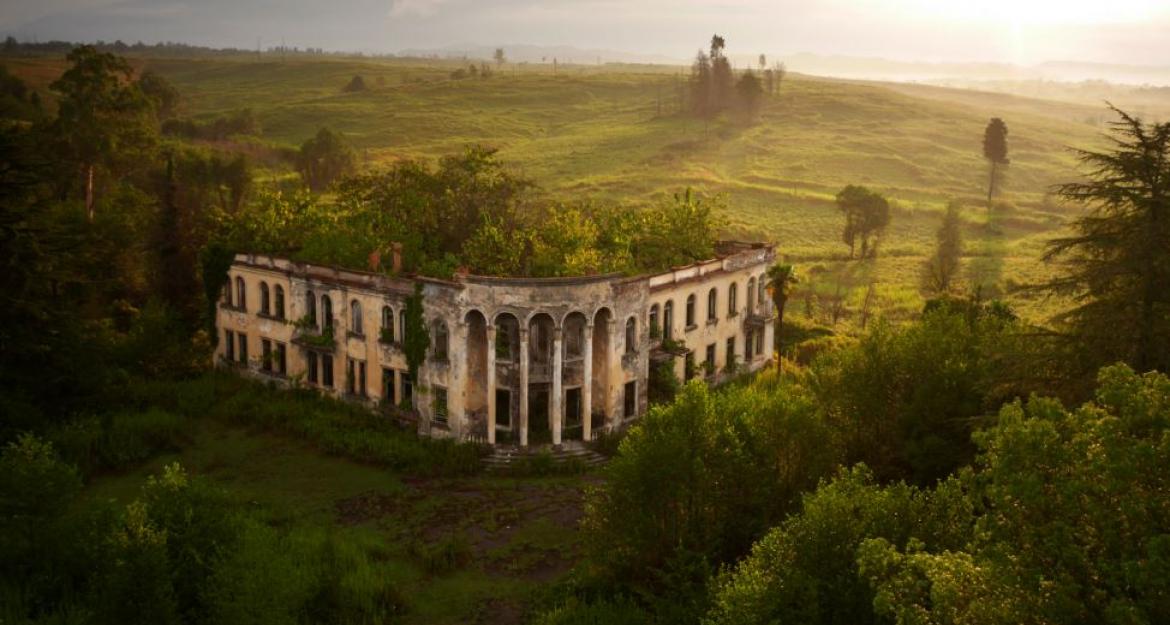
614, 134
540, 54
886, 69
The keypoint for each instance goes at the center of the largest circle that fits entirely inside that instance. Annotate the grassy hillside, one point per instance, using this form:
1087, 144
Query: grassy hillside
614, 133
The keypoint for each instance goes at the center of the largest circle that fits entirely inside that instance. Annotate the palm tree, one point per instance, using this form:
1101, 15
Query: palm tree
781, 277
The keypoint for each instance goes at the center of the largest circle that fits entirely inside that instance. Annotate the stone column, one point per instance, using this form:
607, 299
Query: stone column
523, 357
558, 416
457, 382
491, 383
587, 387
615, 372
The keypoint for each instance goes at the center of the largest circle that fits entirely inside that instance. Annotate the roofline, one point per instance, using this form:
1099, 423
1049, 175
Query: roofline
248, 258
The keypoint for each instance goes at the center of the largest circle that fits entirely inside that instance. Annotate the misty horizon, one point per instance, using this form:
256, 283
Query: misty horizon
1022, 34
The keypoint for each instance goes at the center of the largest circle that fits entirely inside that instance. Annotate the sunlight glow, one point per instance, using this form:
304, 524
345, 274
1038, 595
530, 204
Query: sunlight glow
1040, 12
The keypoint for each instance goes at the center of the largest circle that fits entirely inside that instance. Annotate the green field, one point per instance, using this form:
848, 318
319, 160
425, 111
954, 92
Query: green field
614, 133
514, 536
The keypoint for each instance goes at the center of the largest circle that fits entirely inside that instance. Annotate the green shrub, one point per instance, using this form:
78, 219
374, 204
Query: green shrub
698, 481
447, 555
602, 612
607, 442
336, 427
120, 439
805, 570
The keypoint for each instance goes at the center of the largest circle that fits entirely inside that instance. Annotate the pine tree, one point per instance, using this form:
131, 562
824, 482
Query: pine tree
1117, 263
939, 273
995, 150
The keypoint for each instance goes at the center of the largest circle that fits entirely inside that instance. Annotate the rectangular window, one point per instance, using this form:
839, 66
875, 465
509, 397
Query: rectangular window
311, 367
503, 408
350, 378
440, 404
630, 400
362, 379
229, 345
407, 389
710, 363
243, 338
689, 367
690, 311
573, 407
730, 352
266, 355
760, 342
327, 370
281, 359
387, 385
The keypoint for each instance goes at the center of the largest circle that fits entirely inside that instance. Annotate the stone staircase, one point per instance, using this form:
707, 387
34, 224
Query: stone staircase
505, 457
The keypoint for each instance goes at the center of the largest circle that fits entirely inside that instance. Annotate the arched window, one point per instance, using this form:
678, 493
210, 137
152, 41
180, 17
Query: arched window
654, 329
441, 339
732, 305
311, 307
326, 312
691, 310
760, 293
751, 295
265, 302
631, 335
387, 324
241, 294
279, 302
402, 324
355, 317
227, 293
712, 299
668, 321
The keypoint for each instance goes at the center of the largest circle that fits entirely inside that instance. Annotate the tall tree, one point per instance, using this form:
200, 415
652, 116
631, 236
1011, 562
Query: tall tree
103, 118
867, 213
749, 92
325, 158
499, 57
1117, 263
779, 70
995, 150
722, 78
763, 61
781, 278
939, 272
160, 92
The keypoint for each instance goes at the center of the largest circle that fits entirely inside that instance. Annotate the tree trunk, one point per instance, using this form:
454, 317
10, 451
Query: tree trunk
777, 340
991, 185
89, 201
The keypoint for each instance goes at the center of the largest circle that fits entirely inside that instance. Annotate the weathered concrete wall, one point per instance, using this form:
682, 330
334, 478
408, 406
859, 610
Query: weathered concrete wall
588, 317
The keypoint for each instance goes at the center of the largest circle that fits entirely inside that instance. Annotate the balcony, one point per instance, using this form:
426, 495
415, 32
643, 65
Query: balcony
314, 338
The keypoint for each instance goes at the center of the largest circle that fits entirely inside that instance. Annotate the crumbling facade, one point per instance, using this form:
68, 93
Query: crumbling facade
511, 360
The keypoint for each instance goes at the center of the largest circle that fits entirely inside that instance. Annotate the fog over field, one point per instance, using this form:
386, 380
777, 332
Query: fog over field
1024, 34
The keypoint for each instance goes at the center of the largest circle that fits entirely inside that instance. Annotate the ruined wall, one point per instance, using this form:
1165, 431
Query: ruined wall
470, 307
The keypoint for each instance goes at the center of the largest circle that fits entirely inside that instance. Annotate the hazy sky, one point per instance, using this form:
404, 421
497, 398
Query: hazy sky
1016, 31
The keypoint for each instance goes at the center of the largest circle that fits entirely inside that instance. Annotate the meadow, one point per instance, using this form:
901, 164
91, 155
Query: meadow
615, 133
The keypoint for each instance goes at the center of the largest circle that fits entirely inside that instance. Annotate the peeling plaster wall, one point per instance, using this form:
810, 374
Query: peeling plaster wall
605, 302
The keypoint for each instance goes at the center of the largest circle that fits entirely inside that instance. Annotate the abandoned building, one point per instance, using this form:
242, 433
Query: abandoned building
511, 360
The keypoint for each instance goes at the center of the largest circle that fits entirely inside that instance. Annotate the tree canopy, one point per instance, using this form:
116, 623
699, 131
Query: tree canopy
1116, 264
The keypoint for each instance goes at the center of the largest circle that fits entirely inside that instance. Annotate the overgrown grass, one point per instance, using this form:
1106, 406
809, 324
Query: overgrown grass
333, 426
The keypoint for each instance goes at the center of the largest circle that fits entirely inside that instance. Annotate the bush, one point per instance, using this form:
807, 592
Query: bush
120, 439
334, 426
607, 442
602, 612
697, 482
805, 570
442, 557
905, 400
